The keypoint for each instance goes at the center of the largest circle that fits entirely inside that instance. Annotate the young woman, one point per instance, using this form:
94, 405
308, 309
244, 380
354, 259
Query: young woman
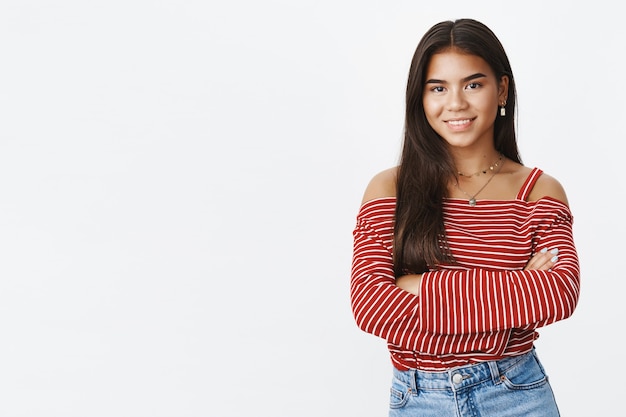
461, 252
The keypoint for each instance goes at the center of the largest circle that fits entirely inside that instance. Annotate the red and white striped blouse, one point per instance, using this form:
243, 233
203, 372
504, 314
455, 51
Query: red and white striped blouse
486, 306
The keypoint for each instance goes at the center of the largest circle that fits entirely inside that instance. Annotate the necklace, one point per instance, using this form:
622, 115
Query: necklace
482, 171
472, 198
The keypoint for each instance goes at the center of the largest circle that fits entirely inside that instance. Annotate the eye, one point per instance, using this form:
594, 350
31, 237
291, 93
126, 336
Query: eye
473, 86
437, 89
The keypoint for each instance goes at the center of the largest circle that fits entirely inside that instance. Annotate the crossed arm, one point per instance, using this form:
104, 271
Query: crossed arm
541, 261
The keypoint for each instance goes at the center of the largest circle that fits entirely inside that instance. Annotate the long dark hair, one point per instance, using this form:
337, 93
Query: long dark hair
425, 164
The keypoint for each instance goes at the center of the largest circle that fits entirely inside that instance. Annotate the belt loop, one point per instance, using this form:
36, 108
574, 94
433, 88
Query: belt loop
414, 383
495, 372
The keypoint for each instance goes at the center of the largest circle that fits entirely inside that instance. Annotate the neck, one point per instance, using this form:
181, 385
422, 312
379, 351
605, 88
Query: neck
479, 165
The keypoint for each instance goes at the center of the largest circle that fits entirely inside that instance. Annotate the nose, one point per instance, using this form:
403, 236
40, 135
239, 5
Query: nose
456, 100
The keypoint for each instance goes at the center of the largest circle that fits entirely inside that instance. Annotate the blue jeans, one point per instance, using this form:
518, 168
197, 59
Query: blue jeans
511, 387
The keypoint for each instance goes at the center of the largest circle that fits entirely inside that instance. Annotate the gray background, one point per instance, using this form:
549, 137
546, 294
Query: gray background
179, 182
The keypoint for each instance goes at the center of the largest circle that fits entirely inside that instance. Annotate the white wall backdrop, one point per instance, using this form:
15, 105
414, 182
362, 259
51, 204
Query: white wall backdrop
179, 181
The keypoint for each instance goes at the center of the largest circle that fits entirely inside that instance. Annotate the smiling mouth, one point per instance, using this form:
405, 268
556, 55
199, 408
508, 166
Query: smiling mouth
461, 122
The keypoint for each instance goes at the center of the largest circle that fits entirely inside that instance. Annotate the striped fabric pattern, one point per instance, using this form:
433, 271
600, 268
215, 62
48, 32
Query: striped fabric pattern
485, 306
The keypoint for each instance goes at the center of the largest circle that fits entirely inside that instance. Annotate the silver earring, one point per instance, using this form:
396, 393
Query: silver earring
502, 110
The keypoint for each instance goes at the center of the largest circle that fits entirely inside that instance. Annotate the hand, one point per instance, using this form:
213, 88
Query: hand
410, 283
543, 260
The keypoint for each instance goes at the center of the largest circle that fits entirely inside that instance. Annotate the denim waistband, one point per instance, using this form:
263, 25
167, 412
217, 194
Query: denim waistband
460, 377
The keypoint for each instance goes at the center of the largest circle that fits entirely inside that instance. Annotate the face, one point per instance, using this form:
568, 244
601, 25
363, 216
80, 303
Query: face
461, 98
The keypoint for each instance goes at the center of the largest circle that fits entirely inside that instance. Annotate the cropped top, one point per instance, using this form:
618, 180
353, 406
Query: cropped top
482, 307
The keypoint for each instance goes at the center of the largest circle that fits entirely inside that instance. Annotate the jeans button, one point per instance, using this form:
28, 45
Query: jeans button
457, 378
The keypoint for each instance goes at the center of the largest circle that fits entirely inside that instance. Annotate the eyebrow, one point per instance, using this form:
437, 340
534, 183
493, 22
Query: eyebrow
466, 79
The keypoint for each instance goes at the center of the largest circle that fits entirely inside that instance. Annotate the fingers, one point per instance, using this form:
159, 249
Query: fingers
543, 260
410, 283
553, 255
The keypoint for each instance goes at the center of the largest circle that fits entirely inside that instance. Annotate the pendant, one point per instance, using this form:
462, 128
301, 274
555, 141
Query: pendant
472, 202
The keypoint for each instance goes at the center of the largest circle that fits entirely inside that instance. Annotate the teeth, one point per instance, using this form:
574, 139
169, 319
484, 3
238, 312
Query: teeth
459, 122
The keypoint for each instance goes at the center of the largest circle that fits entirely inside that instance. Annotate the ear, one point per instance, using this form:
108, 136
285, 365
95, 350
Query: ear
503, 89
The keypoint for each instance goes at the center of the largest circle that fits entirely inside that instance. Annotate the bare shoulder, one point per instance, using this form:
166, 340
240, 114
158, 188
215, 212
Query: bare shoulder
548, 186
381, 185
